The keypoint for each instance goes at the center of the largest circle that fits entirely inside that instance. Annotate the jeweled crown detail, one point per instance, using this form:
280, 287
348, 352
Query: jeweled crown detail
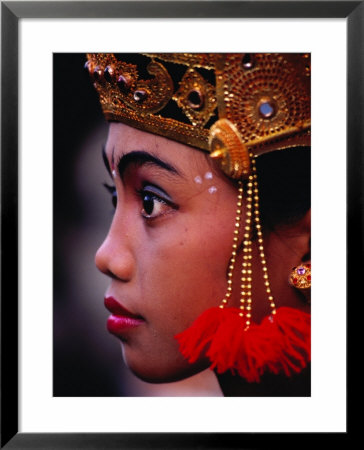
264, 98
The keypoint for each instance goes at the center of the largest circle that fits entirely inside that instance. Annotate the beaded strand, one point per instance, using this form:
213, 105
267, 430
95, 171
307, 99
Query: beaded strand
246, 270
235, 244
252, 219
258, 228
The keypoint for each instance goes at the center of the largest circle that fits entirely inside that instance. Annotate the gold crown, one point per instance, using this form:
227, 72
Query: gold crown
232, 105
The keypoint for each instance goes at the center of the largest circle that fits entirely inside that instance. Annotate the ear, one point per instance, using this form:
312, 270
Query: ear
304, 238
297, 238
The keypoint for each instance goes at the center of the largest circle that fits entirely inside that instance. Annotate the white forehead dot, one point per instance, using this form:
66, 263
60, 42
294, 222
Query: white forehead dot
208, 176
198, 179
212, 189
114, 173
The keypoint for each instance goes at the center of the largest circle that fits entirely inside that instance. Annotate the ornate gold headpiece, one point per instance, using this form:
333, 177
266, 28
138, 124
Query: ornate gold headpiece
232, 105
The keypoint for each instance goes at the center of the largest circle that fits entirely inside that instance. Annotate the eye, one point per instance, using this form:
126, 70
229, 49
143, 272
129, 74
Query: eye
112, 191
154, 205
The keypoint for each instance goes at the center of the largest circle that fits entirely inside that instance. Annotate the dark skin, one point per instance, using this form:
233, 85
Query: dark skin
169, 247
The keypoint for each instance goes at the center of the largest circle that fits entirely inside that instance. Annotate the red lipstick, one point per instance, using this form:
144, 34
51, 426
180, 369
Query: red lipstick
121, 319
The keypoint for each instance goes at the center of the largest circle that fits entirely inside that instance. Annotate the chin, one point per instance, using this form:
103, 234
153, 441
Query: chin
158, 373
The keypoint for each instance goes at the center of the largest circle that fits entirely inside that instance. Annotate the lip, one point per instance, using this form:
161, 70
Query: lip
121, 319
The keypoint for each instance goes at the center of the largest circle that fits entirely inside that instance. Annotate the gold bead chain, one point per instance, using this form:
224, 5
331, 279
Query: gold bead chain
235, 244
246, 269
252, 219
258, 228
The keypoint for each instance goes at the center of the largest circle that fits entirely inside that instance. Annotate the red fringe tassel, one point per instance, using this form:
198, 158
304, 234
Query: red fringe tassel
280, 344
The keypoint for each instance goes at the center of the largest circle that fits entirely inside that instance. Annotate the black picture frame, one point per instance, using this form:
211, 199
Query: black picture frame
11, 12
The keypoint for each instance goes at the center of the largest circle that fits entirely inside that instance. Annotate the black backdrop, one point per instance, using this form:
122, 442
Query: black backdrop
85, 359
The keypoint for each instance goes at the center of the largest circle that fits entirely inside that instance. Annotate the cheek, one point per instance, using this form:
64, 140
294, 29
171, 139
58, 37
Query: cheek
186, 276
189, 271
181, 267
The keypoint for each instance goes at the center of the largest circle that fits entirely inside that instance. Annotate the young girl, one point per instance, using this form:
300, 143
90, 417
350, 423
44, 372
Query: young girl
208, 252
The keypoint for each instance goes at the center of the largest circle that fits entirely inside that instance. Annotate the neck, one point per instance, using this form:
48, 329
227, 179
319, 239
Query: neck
270, 385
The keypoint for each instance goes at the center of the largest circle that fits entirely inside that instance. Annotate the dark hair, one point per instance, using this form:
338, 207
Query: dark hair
284, 179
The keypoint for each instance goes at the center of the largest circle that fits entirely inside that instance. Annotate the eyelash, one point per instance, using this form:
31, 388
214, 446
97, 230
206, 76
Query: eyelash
142, 193
112, 191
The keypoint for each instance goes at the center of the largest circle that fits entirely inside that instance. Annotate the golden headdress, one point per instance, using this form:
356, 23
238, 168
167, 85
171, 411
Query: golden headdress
227, 104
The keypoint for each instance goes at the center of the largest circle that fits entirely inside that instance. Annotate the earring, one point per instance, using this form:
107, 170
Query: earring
300, 276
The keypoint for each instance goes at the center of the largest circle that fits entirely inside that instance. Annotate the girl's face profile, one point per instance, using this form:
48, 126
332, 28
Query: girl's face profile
167, 249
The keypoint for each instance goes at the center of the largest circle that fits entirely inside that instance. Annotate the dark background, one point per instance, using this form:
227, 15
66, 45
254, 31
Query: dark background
87, 360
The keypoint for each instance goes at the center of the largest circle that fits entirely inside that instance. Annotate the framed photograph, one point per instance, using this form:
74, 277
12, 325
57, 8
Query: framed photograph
64, 383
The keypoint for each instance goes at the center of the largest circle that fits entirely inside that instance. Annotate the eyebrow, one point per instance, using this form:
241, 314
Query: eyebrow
139, 158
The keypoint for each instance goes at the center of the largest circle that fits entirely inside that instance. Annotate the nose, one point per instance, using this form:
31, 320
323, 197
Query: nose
115, 257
